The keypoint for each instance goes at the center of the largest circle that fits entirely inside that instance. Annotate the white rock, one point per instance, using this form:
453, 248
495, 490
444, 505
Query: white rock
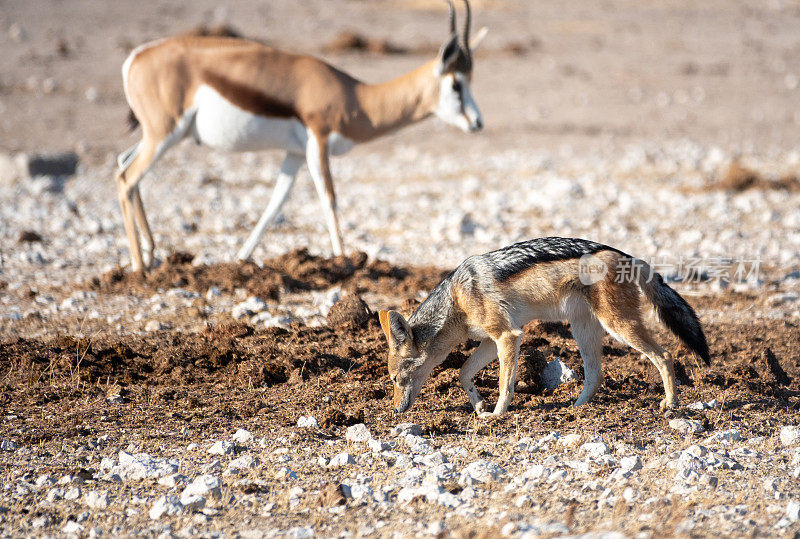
686, 426
141, 466
43, 480
8, 445
245, 462
72, 528
193, 502
222, 447
556, 373
286, 473
702, 405
172, 480
72, 493
594, 449
205, 485
165, 505
406, 428
307, 422
793, 510
97, 500
154, 325
251, 306
300, 532
483, 471
342, 459
55, 494
630, 464
569, 440
725, 436
790, 435
377, 445
358, 433
243, 437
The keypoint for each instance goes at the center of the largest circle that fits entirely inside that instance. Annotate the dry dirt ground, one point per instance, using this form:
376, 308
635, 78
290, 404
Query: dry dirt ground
621, 108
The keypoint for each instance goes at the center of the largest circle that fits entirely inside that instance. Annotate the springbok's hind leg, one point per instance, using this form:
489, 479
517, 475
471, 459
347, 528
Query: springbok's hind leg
283, 186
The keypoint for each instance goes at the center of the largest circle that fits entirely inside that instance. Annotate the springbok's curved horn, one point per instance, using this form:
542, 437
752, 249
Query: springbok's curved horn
453, 29
467, 24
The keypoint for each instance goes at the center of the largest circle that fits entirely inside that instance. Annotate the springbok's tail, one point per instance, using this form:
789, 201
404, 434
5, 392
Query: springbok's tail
674, 312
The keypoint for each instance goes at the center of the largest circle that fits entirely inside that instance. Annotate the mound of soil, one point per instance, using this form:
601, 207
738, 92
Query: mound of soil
739, 178
297, 270
350, 312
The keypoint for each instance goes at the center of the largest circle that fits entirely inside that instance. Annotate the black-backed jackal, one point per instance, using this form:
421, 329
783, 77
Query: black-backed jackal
490, 297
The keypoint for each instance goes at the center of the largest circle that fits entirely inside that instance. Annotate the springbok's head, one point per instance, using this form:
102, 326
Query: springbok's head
456, 105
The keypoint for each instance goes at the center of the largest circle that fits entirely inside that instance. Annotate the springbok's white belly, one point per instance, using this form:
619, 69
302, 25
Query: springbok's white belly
222, 125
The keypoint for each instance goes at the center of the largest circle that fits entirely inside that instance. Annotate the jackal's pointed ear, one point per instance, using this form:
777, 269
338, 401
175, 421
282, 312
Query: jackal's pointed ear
447, 55
395, 327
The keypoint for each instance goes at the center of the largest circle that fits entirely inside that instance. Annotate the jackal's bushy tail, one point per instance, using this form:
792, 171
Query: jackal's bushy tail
674, 312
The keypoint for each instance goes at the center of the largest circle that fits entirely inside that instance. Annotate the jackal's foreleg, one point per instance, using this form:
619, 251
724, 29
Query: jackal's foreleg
508, 353
484, 354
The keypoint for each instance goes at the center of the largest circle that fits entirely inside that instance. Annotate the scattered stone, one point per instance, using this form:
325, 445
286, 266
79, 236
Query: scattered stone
700, 406
222, 447
358, 433
165, 505
140, 466
154, 325
594, 449
556, 373
725, 436
342, 459
482, 471
307, 422
251, 306
97, 500
406, 428
630, 464
243, 437
790, 435
8, 445
793, 510
686, 426
73, 493
205, 485
72, 528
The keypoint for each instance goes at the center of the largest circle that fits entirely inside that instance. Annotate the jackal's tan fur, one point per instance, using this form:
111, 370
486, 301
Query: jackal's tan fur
490, 297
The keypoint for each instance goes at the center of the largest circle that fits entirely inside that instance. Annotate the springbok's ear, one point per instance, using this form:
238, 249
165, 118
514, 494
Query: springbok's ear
447, 55
477, 39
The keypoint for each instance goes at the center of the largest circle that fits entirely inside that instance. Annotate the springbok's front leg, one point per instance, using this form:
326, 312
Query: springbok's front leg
484, 354
291, 165
319, 167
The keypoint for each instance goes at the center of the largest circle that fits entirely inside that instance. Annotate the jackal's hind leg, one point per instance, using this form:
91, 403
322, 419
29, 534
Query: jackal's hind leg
588, 334
635, 334
484, 354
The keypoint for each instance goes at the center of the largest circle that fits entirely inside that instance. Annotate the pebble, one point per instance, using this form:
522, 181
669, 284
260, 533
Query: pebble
342, 459
249, 307
686, 426
790, 435
243, 437
307, 422
406, 428
358, 433
221, 447
97, 500
555, 373
154, 325
482, 471
205, 485
165, 505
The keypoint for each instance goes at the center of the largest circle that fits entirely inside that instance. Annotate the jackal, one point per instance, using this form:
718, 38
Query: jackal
489, 297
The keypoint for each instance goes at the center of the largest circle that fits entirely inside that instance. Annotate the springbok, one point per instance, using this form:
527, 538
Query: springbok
238, 95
